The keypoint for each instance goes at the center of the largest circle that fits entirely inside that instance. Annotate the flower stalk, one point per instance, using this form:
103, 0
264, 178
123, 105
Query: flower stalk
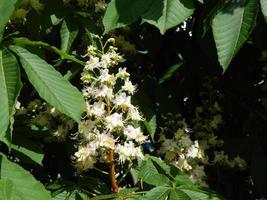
112, 172
112, 169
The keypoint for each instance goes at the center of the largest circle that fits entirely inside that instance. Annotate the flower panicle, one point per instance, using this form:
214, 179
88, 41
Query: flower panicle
111, 118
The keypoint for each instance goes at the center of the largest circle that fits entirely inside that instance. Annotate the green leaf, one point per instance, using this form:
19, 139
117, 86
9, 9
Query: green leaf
7, 8
9, 89
170, 71
157, 180
26, 155
50, 84
195, 195
171, 171
165, 14
24, 183
148, 173
61, 196
146, 169
157, 193
232, 27
177, 194
27, 150
182, 179
162, 164
264, 8
55, 20
68, 33
151, 126
81, 196
7, 191
25, 41
120, 13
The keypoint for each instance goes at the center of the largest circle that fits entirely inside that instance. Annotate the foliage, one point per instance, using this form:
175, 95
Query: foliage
22, 182
70, 126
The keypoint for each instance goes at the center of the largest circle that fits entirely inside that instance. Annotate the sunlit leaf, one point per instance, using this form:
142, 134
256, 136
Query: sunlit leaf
7, 7
198, 195
232, 27
51, 85
176, 194
264, 8
9, 89
24, 183
7, 190
120, 13
165, 14
157, 193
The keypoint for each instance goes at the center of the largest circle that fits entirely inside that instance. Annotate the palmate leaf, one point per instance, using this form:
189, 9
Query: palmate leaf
176, 194
172, 171
6, 9
165, 192
27, 187
62, 196
198, 195
50, 84
155, 171
165, 14
9, 89
146, 170
68, 33
120, 13
148, 173
157, 193
232, 27
264, 8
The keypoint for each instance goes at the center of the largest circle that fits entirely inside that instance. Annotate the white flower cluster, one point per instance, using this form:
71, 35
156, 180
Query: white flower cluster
180, 150
190, 155
111, 121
